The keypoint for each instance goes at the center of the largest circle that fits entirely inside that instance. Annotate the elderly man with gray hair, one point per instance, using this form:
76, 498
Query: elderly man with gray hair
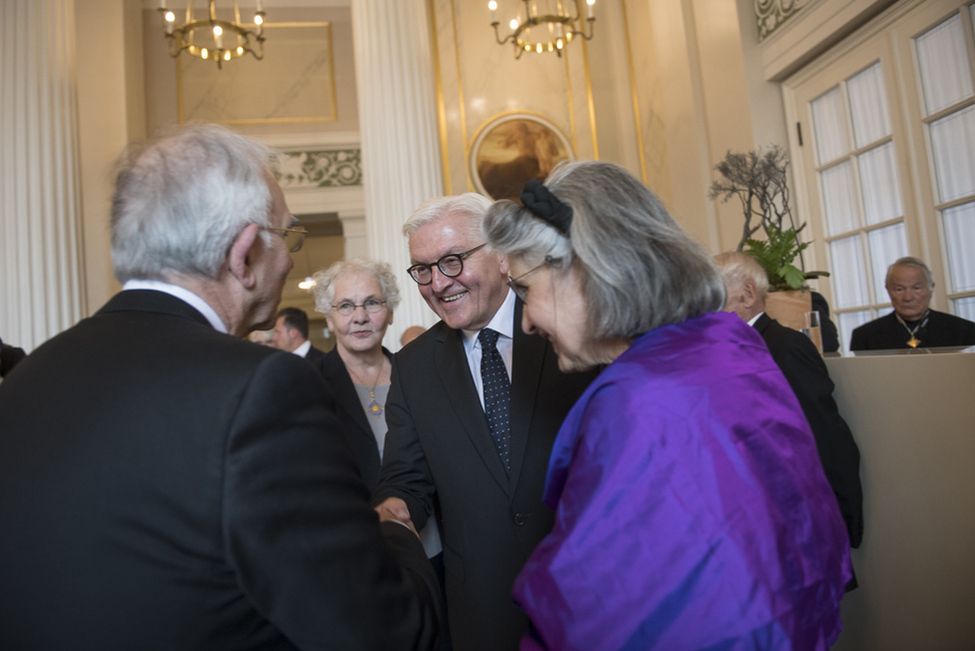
912, 323
169, 485
806, 373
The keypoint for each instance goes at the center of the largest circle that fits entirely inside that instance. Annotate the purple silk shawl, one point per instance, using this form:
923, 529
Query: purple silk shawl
691, 506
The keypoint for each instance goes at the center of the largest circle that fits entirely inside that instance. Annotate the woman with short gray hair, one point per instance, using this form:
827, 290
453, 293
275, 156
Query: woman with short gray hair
358, 298
691, 508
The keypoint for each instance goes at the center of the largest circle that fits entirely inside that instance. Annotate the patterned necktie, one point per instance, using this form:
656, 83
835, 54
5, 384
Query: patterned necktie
497, 394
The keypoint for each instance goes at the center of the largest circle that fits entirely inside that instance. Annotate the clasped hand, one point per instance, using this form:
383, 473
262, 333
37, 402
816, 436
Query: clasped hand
394, 509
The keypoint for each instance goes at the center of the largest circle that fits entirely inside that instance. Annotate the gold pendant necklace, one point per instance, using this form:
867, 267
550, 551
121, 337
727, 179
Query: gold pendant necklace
913, 342
374, 407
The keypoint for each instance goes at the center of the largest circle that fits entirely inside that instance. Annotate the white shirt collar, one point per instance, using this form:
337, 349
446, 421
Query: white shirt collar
755, 318
502, 322
184, 295
302, 350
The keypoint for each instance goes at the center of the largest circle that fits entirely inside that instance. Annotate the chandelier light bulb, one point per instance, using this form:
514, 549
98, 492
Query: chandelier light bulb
513, 24
258, 19
204, 53
493, 5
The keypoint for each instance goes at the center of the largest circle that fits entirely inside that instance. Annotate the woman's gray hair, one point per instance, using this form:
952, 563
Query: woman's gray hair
181, 200
325, 281
470, 203
738, 268
640, 270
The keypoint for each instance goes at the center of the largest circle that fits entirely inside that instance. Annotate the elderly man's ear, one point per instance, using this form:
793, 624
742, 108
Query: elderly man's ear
240, 260
749, 296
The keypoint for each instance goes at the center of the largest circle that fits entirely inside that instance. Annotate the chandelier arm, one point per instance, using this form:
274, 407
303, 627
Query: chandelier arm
497, 35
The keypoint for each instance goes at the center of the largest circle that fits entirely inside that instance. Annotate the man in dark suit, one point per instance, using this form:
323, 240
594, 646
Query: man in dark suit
169, 485
484, 474
804, 369
912, 324
291, 334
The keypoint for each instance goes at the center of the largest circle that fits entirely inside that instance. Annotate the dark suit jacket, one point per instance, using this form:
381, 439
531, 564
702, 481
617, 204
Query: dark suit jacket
439, 443
887, 333
358, 431
314, 355
166, 486
806, 373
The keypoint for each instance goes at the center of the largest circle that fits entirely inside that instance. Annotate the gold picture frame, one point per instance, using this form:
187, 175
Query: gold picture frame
292, 84
512, 148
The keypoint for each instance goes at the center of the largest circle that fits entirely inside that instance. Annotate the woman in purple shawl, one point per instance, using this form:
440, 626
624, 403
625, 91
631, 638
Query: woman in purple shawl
692, 511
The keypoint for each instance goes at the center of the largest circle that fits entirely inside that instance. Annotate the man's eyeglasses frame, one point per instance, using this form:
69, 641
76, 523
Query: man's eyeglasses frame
451, 258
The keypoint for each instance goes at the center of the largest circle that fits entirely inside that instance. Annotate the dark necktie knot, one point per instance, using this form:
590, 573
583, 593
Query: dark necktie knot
488, 338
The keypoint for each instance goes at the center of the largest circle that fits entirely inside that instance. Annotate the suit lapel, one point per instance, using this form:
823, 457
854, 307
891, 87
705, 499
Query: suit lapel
527, 357
451, 361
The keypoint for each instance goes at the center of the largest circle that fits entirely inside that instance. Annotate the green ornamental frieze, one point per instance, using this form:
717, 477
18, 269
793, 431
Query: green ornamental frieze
320, 169
771, 14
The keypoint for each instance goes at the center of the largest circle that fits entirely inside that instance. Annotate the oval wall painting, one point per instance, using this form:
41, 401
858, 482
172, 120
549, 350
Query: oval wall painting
513, 148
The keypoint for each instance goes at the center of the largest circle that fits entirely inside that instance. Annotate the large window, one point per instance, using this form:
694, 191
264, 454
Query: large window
884, 152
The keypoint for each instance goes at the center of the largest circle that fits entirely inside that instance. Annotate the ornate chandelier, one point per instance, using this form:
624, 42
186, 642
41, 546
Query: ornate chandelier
539, 31
211, 38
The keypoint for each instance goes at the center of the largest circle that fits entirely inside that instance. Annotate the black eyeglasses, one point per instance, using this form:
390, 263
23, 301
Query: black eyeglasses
371, 305
450, 265
294, 237
521, 291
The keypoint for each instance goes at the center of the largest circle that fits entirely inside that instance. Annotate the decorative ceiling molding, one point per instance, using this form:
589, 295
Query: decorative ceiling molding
320, 169
771, 14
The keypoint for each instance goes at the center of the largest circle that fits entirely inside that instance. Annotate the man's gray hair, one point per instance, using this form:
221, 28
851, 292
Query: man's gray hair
910, 261
471, 204
325, 281
738, 268
640, 270
181, 200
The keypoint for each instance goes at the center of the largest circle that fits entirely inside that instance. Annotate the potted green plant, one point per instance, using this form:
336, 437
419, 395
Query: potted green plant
759, 180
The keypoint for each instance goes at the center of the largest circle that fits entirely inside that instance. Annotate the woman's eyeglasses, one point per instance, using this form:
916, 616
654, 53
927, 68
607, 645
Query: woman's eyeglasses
520, 290
371, 305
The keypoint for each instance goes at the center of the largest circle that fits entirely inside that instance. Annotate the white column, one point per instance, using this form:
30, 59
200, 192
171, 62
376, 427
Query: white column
397, 117
41, 270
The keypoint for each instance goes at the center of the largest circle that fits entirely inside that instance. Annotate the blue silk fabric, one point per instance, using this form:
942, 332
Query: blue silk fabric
692, 510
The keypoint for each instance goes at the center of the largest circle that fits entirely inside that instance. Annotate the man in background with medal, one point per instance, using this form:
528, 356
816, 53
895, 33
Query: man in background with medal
912, 324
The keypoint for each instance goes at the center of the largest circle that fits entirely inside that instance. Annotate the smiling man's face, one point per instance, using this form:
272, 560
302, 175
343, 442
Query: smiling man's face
470, 300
